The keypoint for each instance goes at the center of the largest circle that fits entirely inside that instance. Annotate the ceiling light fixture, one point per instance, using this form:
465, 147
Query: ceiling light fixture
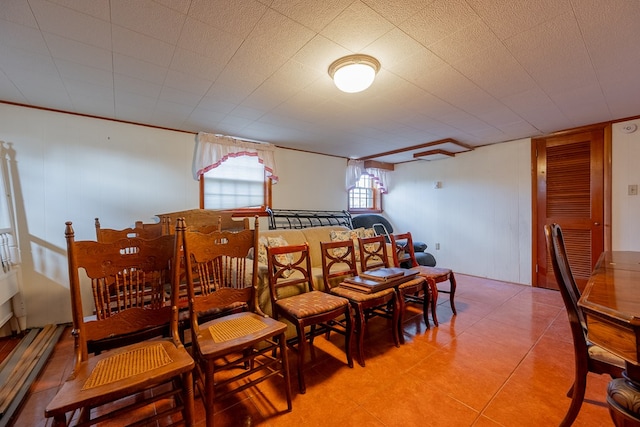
354, 73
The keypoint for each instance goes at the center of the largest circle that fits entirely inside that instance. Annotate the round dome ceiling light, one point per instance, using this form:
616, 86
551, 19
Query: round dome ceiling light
354, 73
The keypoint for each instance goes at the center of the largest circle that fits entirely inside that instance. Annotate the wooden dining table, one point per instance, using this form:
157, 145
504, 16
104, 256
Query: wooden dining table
611, 304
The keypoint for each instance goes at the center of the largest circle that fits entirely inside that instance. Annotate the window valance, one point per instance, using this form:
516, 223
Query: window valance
355, 168
212, 150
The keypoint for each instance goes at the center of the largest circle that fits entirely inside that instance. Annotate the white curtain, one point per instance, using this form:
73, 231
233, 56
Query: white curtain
212, 150
355, 168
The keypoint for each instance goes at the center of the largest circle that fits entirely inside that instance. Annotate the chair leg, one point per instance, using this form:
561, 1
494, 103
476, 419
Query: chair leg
284, 360
434, 299
395, 319
188, 413
209, 394
302, 344
578, 388
452, 293
348, 336
426, 303
400, 322
360, 322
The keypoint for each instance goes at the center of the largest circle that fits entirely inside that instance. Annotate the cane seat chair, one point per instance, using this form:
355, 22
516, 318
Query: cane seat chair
373, 255
588, 357
240, 347
339, 263
115, 384
404, 254
294, 298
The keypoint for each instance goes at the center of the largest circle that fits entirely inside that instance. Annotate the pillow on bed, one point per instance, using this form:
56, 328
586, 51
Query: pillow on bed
344, 235
276, 242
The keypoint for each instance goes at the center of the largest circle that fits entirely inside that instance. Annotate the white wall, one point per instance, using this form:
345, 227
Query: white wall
625, 220
481, 216
72, 168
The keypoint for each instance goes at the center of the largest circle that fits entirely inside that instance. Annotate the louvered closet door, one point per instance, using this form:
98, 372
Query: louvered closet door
570, 184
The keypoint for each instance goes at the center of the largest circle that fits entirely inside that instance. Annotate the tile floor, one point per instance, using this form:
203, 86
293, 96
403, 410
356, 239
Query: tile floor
506, 359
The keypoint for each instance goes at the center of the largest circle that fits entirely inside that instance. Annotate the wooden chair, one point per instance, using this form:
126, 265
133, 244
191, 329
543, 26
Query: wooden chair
339, 263
202, 219
294, 298
116, 384
111, 297
247, 346
140, 229
373, 254
588, 357
404, 254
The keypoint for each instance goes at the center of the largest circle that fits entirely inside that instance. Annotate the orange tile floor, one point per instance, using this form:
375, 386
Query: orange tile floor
506, 359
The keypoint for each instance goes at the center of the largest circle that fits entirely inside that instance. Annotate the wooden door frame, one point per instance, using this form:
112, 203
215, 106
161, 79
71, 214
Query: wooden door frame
607, 190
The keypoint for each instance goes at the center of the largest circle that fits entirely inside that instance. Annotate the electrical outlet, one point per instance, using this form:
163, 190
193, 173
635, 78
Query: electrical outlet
437, 246
633, 189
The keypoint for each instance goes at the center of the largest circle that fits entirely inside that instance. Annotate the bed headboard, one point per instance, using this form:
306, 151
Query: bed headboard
289, 218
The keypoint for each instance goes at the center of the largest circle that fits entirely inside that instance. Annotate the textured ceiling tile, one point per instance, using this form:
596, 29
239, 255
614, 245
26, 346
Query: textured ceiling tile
312, 14
393, 48
596, 18
83, 73
397, 11
83, 90
17, 12
187, 82
22, 37
205, 120
71, 24
9, 91
149, 18
131, 111
496, 71
418, 66
356, 27
507, 18
279, 34
234, 85
173, 111
178, 96
319, 53
79, 52
237, 18
138, 69
181, 6
97, 8
125, 84
143, 47
617, 88
188, 62
86, 104
209, 41
42, 89
216, 104
464, 43
293, 76
583, 105
438, 20
256, 58
16, 61
537, 108
554, 54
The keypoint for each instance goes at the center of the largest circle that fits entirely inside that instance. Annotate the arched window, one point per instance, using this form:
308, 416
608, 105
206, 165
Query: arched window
234, 174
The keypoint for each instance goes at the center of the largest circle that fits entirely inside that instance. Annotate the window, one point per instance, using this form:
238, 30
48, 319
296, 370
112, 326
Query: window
365, 196
237, 183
